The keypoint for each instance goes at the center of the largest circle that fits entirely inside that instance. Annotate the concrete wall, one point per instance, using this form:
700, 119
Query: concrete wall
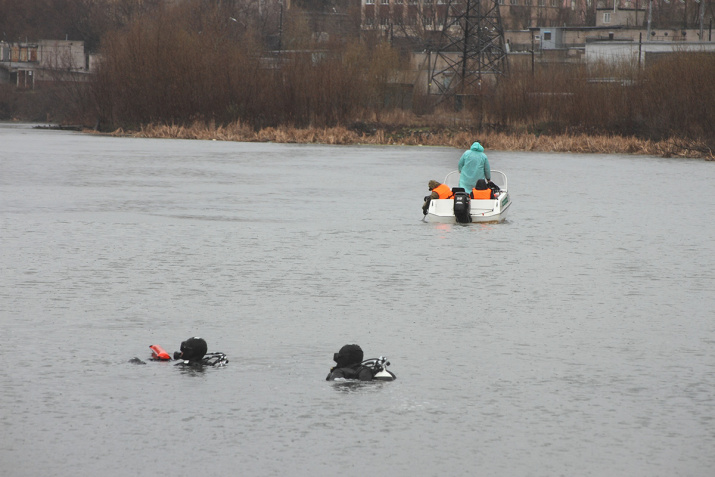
629, 51
62, 54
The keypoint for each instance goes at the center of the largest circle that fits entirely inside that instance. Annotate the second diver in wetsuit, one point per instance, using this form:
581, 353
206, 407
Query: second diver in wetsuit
349, 365
193, 353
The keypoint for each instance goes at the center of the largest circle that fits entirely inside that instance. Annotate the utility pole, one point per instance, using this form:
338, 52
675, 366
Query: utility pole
280, 28
533, 59
471, 45
640, 49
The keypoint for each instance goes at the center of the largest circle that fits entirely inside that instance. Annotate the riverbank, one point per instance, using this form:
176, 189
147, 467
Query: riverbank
460, 138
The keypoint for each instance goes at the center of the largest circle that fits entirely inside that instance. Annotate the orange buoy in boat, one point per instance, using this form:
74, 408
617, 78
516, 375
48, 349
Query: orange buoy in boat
157, 352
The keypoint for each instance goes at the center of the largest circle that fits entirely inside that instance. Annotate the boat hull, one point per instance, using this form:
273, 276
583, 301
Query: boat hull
482, 211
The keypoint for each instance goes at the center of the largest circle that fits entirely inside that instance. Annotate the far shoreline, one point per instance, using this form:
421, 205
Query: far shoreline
424, 136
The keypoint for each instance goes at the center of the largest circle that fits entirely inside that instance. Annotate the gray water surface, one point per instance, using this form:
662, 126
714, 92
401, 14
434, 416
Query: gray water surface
577, 338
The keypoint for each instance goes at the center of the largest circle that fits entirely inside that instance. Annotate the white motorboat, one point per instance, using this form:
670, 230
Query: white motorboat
480, 211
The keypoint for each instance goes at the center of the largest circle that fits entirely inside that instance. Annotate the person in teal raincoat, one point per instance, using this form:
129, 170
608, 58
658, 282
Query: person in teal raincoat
473, 165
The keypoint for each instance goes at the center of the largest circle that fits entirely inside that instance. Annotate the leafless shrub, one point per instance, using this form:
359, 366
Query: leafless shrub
674, 97
195, 73
175, 67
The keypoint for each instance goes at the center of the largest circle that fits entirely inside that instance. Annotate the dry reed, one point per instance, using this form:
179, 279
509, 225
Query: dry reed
460, 139
183, 86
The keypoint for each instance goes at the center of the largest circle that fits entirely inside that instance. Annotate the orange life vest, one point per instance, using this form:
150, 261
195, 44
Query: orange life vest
481, 194
443, 191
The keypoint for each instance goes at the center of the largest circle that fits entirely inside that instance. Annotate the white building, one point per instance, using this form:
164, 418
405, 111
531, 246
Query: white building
639, 52
29, 64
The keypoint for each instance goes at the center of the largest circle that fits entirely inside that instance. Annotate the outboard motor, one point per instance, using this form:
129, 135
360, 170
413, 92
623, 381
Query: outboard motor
462, 206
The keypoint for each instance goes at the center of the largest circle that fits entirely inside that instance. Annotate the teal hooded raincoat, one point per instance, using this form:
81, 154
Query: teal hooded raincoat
473, 165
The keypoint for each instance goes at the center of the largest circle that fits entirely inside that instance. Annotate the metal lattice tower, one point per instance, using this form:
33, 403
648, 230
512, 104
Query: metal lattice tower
471, 46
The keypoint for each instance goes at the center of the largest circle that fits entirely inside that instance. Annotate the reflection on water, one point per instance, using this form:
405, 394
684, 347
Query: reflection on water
573, 339
348, 386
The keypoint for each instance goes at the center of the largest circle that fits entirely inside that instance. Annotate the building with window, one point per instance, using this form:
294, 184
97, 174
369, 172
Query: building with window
415, 17
46, 61
620, 12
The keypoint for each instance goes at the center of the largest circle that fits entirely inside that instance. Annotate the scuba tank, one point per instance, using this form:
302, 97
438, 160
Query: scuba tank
462, 208
218, 360
215, 359
379, 369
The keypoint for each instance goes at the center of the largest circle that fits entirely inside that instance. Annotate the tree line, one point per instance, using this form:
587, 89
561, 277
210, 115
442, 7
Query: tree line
196, 61
189, 65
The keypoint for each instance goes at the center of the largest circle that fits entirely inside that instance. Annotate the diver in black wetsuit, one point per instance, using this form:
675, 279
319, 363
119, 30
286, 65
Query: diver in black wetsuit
350, 365
193, 353
193, 350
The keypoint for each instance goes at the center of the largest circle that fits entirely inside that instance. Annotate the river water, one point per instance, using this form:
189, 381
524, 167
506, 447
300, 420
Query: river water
577, 338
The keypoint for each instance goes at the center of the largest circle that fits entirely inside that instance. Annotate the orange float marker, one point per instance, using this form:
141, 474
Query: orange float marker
157, 352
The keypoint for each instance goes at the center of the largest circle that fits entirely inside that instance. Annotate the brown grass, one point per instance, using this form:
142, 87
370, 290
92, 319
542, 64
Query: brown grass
188, 73
423, 136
